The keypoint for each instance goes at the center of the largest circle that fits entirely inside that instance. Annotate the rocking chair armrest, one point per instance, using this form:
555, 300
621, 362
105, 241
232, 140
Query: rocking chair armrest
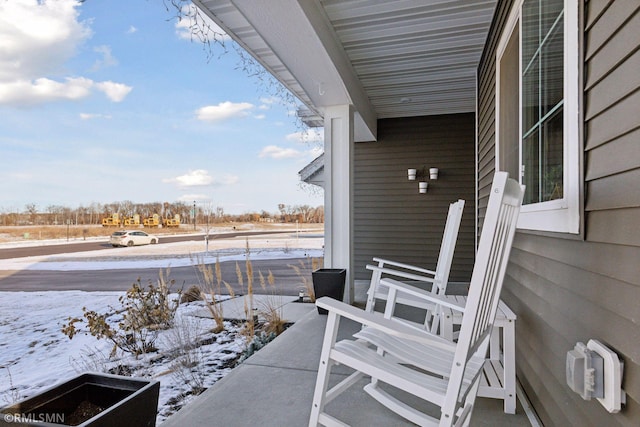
440, 300
388, 326
403, 265
400, 273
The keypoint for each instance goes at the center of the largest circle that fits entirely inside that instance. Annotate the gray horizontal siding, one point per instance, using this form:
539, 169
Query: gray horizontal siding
568, 290
391, 219
612, 122
618, 155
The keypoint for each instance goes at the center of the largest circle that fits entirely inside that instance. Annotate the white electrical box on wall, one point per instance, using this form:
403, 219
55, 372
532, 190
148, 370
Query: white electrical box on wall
585, 372
593, 370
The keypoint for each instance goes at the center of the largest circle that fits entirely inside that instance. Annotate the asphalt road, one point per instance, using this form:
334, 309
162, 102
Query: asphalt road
287, 280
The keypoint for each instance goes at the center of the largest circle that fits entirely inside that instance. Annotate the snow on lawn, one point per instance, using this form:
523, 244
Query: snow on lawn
37, 355
127, 258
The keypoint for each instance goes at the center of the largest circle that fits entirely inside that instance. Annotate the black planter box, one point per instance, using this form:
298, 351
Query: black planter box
329, 282
91, 399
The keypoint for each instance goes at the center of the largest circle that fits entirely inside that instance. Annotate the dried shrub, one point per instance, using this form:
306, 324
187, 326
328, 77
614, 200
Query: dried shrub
192, 294
144, 313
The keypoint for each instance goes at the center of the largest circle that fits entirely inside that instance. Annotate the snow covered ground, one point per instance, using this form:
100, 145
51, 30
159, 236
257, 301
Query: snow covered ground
281, 246
35, 354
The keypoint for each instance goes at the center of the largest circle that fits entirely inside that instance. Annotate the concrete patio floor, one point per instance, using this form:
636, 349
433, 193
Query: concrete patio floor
274, 387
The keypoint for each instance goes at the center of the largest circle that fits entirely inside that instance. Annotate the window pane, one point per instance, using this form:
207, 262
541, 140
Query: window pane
552, 69
530, 30
549, 12
552, 154
531, 161
542, 99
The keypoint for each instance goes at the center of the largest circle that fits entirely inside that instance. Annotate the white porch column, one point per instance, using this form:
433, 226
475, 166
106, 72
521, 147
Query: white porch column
338, 192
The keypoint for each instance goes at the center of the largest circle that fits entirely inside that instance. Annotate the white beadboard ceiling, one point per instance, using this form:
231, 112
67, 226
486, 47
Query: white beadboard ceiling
394, 58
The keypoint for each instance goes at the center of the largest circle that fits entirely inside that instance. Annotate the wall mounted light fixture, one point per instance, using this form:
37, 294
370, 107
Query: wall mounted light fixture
422, 175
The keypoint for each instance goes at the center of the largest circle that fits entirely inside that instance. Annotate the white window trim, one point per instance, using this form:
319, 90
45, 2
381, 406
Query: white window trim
561, 215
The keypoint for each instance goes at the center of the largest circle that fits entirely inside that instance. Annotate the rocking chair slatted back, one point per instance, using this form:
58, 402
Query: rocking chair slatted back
487, 278
438, 278
448, 246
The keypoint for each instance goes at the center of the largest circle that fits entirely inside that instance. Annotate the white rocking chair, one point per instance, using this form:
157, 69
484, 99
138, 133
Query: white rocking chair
436, 279
418, 362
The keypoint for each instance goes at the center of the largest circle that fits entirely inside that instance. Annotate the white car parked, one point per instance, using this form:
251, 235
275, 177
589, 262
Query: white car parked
132, 238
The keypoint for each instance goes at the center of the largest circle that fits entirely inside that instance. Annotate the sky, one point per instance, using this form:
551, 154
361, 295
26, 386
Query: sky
104, 101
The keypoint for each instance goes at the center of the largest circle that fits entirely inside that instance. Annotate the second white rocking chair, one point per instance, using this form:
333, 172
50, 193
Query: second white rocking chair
435, 280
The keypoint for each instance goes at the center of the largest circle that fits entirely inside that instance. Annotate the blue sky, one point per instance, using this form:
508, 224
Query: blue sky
110, 100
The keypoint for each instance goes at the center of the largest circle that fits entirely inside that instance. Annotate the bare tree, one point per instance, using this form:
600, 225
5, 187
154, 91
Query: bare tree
32, 211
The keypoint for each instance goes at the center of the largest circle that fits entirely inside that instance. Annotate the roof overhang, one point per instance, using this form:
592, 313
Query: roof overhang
397, 58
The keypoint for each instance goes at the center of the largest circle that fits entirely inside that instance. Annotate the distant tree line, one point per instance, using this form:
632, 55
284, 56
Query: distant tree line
204, 213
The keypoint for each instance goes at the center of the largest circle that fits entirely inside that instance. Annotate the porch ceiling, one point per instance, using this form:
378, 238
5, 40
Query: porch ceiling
394, 58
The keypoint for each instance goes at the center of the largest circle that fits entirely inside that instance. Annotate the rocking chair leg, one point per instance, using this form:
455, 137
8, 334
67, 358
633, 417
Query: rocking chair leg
464, 418
324, 369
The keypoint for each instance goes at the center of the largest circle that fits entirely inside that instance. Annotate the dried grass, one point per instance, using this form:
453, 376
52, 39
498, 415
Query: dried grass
307, 283
211, 283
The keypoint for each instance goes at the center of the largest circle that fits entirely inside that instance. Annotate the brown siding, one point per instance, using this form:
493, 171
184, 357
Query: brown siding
392, 220
570, 290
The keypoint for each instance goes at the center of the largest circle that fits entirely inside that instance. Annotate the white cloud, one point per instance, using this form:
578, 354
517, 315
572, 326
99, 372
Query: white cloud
43, 90
132, 30
224, 110
194, 20
310, 135
275, 152
269, 101
316, 151
260, 116
114, 91
197, 177
278, 153
37, 38
107, 60
25, 92
200, 178
89, 116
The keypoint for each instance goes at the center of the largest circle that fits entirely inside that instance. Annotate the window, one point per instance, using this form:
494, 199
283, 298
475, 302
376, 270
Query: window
537, 119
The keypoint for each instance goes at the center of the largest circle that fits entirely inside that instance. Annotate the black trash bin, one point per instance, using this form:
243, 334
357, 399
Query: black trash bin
329, 282
91, 399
